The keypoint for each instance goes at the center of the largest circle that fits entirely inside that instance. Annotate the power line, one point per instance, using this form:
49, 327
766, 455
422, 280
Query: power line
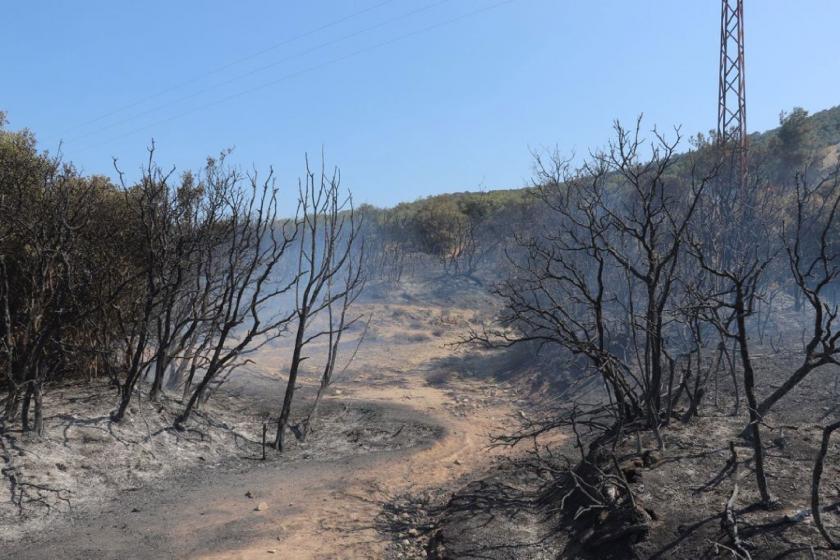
305, 71
218, 69
258, 70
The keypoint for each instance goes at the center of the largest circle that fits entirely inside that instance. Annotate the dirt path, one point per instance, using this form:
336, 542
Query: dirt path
338, 511
315, 509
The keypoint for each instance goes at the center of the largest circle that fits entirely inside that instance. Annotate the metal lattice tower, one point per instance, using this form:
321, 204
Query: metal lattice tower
732, 104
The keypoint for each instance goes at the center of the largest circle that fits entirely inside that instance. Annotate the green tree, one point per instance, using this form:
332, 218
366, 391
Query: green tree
794, 140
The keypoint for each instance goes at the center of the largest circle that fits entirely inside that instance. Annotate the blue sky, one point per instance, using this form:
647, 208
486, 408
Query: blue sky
408, 97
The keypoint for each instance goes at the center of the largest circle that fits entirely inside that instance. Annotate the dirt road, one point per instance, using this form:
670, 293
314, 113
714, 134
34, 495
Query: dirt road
312, 508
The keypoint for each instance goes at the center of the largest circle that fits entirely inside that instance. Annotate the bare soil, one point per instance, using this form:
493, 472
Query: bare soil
390, 429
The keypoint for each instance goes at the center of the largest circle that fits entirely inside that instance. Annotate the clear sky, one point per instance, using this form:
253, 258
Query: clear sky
409, 97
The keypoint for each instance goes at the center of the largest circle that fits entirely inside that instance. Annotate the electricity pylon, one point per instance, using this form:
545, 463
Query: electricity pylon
732, 102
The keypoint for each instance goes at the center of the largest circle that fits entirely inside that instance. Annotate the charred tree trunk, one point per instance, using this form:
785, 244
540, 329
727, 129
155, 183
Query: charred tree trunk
195, 399
24, 410
288, 397
133, 375
815, 485
38, 426
800, 374
749, 391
